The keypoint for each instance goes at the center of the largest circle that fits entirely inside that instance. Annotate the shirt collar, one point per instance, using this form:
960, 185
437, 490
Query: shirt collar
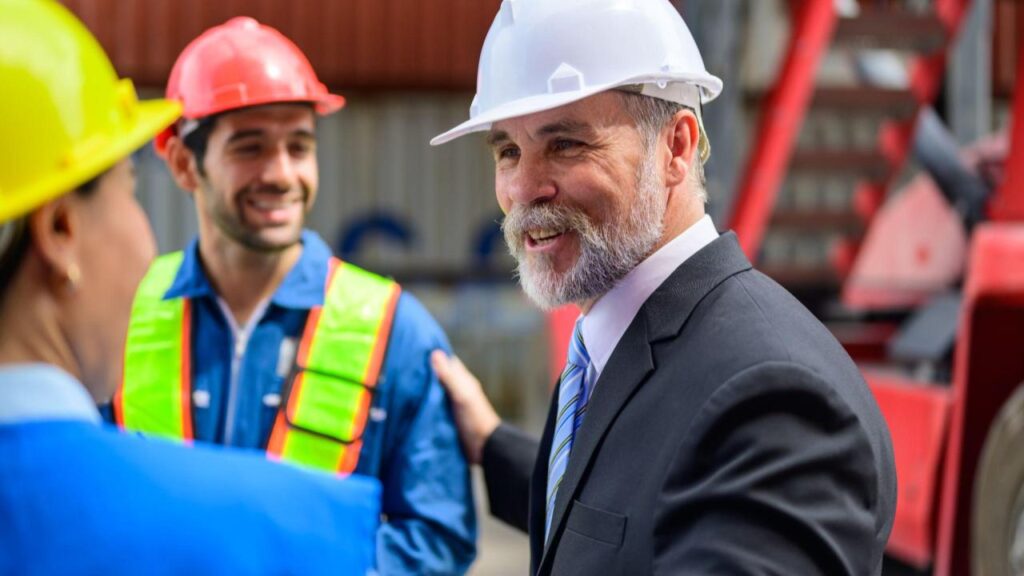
611, 315
34, 392
302, 287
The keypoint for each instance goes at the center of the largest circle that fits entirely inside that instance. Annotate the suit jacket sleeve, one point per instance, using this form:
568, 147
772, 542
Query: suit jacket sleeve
776, 475
508, 459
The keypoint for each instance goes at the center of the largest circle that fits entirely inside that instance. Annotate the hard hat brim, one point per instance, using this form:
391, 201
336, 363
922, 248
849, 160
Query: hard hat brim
710, 87
149, 118
328, 104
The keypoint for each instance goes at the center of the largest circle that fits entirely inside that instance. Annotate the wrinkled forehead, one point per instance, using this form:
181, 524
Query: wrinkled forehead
587, 116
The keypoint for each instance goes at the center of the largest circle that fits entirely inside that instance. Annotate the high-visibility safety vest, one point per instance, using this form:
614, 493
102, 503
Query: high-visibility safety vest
326, 398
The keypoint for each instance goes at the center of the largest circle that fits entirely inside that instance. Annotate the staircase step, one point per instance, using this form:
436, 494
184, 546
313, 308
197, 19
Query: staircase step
818, 220
894, 102
870, 163
892, 28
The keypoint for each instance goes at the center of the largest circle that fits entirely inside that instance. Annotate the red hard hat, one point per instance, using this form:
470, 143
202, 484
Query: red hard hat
242, 63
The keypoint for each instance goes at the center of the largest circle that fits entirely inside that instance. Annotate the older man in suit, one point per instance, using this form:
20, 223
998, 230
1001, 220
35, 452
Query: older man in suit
706, 423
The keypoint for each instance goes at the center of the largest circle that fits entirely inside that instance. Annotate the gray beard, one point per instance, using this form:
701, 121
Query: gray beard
608, 251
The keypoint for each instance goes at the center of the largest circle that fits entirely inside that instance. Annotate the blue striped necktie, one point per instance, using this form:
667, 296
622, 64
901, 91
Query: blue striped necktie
572, 404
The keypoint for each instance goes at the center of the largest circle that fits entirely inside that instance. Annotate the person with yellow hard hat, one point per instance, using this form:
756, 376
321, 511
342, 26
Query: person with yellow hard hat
255, 336
76, 496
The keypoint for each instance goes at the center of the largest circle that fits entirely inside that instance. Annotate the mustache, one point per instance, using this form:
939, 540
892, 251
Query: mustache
541, 216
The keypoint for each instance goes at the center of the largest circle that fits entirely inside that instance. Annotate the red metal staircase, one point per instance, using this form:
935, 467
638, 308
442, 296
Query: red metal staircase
825, 156
822, 163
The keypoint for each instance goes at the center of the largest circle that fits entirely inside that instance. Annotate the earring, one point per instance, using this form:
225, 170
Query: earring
74, 275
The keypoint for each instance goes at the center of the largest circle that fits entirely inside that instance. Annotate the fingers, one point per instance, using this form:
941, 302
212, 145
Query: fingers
442, 365
456, 378
474, 415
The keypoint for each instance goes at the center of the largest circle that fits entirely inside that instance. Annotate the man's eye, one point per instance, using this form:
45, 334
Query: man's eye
301, 148
563, 144
508, 153
247, 149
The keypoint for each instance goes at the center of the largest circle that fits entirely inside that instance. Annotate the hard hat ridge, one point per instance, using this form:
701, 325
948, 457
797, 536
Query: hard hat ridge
66, 115
542, 54
239, 64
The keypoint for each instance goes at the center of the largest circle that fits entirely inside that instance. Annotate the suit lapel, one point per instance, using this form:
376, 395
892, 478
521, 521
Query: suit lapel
626, 370
662, 316
538, 486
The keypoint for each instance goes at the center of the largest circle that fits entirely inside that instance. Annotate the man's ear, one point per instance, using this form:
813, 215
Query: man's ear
56, 230
182, 164
682, 135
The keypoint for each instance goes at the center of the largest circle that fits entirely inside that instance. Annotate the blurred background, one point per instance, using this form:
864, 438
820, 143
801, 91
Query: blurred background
838, 117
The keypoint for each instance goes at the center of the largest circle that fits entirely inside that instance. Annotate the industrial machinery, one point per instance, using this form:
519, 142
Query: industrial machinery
931, 280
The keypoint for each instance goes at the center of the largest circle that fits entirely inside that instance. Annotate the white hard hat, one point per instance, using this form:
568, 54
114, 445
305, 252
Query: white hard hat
542, 54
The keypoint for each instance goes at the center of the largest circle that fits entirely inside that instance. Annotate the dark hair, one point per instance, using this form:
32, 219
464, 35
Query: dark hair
199, 139
13, 251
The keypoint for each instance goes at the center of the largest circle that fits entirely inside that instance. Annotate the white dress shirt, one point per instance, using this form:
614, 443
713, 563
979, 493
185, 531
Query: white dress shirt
611, 314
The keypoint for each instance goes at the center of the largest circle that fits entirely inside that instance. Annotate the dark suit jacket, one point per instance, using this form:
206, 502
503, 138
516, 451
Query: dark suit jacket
729, 433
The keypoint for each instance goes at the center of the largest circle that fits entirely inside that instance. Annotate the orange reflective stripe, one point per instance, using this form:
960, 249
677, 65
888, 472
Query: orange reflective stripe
186, 371
351, 456
279, 435
338, 364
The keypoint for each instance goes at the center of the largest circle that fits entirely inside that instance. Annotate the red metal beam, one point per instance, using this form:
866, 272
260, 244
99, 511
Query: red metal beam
1008, 204
781, 119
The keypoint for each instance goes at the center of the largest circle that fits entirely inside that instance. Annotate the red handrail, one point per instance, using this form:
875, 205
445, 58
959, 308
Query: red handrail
1008, 203
782, 116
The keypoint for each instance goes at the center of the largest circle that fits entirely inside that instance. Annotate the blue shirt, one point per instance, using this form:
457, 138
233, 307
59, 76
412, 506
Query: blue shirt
77, 497
410, 442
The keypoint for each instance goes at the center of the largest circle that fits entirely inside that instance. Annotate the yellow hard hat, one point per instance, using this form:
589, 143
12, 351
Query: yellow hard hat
65, 117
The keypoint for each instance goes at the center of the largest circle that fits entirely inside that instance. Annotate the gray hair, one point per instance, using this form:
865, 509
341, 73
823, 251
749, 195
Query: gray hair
651, 115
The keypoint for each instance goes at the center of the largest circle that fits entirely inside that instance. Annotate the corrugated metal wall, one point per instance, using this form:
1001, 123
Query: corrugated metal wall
367, 44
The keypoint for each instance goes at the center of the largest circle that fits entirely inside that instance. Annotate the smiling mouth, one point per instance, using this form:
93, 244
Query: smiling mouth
270, 204
542, 237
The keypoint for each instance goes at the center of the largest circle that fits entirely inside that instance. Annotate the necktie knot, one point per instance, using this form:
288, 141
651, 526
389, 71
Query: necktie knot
578, 355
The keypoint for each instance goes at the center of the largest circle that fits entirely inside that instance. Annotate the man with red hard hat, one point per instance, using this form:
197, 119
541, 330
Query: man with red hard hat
255, 336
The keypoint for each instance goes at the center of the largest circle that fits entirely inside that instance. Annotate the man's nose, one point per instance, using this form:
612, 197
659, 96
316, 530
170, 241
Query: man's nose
531, 182
280, 169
